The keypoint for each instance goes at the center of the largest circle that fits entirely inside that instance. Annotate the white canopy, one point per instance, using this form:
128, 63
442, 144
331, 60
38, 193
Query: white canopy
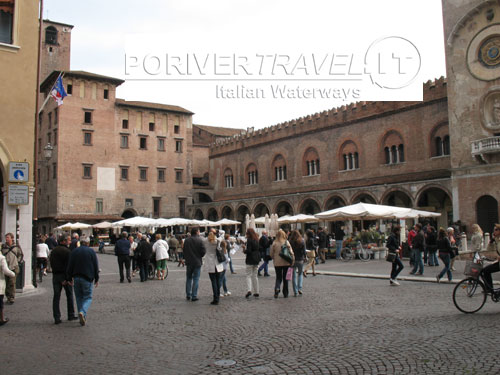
80, 226
137, 221
300, 218
65, 226
103, 225
367, 211
225, 222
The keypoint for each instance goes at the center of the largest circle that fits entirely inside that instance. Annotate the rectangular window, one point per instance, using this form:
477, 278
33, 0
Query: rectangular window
124, 173
124, 124
50, 120
178, 146
129, 202
106, 93
151, 126
161, 174
39, 145
40, 119
87, 117
38, 175
87, 139
54, 171
87, 171
161, 144
143, 174
156, 207
49, 137
55, 137
143, 143
56, 116
69, 88
178, 176
182, 207
124, 141
177, 129
99, 205
48, 172
6, 22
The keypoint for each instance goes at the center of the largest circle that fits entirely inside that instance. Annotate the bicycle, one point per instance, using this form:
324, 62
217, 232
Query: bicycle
350, 252
470, 294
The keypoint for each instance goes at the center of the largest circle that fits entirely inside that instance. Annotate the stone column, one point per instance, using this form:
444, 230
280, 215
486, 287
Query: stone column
26, 238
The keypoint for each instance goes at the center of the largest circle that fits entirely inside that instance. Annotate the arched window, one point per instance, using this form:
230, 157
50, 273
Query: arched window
349, 155
394, 152
252, 175
51, 35
228, 178
279, 168
440, 141
310, 163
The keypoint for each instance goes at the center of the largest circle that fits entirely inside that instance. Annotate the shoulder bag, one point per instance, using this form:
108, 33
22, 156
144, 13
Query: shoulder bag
391, 257
219, 254
285, 253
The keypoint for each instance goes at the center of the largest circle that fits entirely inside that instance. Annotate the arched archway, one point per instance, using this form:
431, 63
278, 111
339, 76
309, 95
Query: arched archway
201, 198
128, 213
198, 215
436, 199
364, 198
487, 212
261, 210
212, 214
242, 213
284, 208
397, 198
309, 207
227, 213
334, 202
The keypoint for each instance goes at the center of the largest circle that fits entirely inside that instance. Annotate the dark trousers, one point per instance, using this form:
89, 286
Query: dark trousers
124, 260
143, 269
57, 280
487, 271
215, 279
397, 267
281, 277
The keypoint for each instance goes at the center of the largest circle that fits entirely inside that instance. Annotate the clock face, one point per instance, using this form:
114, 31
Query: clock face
483, 54
489, 52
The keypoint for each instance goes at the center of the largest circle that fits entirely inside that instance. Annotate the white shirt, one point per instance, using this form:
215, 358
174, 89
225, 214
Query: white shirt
42, 250
160, 247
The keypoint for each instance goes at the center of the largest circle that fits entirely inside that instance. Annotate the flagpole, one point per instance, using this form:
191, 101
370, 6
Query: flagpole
48, 96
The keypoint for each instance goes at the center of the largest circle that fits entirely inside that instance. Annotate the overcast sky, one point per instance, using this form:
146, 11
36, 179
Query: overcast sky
306, 32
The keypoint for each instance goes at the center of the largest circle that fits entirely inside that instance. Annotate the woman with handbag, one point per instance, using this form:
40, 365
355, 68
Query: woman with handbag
213, 266
311, 252
283, 257
477, 238
299, 251
394, 248
251, 250
445, 253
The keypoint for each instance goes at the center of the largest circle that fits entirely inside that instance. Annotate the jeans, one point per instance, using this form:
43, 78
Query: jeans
192, 280
231, 265
264, 266
83, 294
445, 257
298, 276
397, 267
419, 263
281, 277
487, 271
252, 281
124, 260
215, 279
339, 248
143, 269
433, 259
223, 281
57, 280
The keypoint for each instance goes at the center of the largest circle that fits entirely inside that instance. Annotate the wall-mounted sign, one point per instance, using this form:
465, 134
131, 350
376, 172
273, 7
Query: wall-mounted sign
18, 194
19, 171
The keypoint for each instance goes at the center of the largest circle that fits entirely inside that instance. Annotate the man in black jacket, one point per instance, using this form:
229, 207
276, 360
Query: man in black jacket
264, 245
143, 253
418, 245
122, 251
59, 258
83, 268
194, 251
322, 243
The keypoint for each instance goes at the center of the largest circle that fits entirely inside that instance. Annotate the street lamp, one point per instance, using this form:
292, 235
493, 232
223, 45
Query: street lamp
47, 151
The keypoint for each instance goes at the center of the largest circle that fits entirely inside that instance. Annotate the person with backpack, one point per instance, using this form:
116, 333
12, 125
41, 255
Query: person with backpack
252, 260
281, 264
14, 255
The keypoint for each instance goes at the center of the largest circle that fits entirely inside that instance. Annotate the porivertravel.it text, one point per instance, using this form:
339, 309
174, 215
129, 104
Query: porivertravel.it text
285, 92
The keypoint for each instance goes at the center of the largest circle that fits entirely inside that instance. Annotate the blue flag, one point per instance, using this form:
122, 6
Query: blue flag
58, 92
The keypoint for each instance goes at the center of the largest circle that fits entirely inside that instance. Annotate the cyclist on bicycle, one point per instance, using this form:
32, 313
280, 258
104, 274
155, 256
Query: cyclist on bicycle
494, 245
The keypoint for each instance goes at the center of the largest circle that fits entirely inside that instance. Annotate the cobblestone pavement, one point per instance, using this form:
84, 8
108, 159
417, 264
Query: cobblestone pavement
340, 325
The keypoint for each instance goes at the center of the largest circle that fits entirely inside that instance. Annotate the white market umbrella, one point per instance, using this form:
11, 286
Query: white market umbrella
65, 226
77, 225
252, 222
367, 211
267, 223
225, 222
137, 221
103, 225
261, 220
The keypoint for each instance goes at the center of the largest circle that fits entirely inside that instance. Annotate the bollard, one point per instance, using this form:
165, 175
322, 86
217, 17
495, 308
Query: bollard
486, 241
463, 241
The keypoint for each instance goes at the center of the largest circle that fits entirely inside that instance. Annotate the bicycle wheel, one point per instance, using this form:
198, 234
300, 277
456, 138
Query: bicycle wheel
347, 254
469, 295
363, 253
